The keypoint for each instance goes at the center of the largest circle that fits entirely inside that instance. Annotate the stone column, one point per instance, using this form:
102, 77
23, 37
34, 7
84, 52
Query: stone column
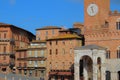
76, 74
85, 73
114, 76
103, 72
95, 68
95, 72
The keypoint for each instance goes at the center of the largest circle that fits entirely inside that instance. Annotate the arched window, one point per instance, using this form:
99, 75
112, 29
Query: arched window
108, 75
108, 54
118, 52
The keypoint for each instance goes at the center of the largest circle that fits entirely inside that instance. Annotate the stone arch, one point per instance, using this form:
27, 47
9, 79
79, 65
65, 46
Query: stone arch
89, 53
86, 68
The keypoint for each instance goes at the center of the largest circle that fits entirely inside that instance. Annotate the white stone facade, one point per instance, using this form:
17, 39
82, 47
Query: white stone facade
94, 54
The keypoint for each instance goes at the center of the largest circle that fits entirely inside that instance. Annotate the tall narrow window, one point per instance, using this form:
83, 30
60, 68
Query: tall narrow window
19, 54
118, 53
30, 53
36, 54
118, 25
35, 63
56, 42
50, 65
19, 64
50, 51
4, 35
50, 43
108, 54
42, 53
56, 51
4, 49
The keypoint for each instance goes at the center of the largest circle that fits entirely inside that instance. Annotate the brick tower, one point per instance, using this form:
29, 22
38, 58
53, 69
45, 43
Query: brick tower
95, 14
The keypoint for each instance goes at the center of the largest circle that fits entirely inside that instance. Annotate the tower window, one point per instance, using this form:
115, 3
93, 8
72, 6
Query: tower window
118, 25
118, 53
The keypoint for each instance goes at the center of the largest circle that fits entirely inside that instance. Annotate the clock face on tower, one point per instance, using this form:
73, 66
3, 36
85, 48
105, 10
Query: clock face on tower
92, 9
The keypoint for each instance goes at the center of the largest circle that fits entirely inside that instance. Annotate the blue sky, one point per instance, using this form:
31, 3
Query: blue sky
33, 14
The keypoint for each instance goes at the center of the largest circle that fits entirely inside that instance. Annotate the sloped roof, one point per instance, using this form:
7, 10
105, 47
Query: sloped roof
48, 27
66, 36
92, 46
10, 25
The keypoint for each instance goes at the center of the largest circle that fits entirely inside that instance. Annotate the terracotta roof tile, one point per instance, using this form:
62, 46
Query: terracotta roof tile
66, 36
